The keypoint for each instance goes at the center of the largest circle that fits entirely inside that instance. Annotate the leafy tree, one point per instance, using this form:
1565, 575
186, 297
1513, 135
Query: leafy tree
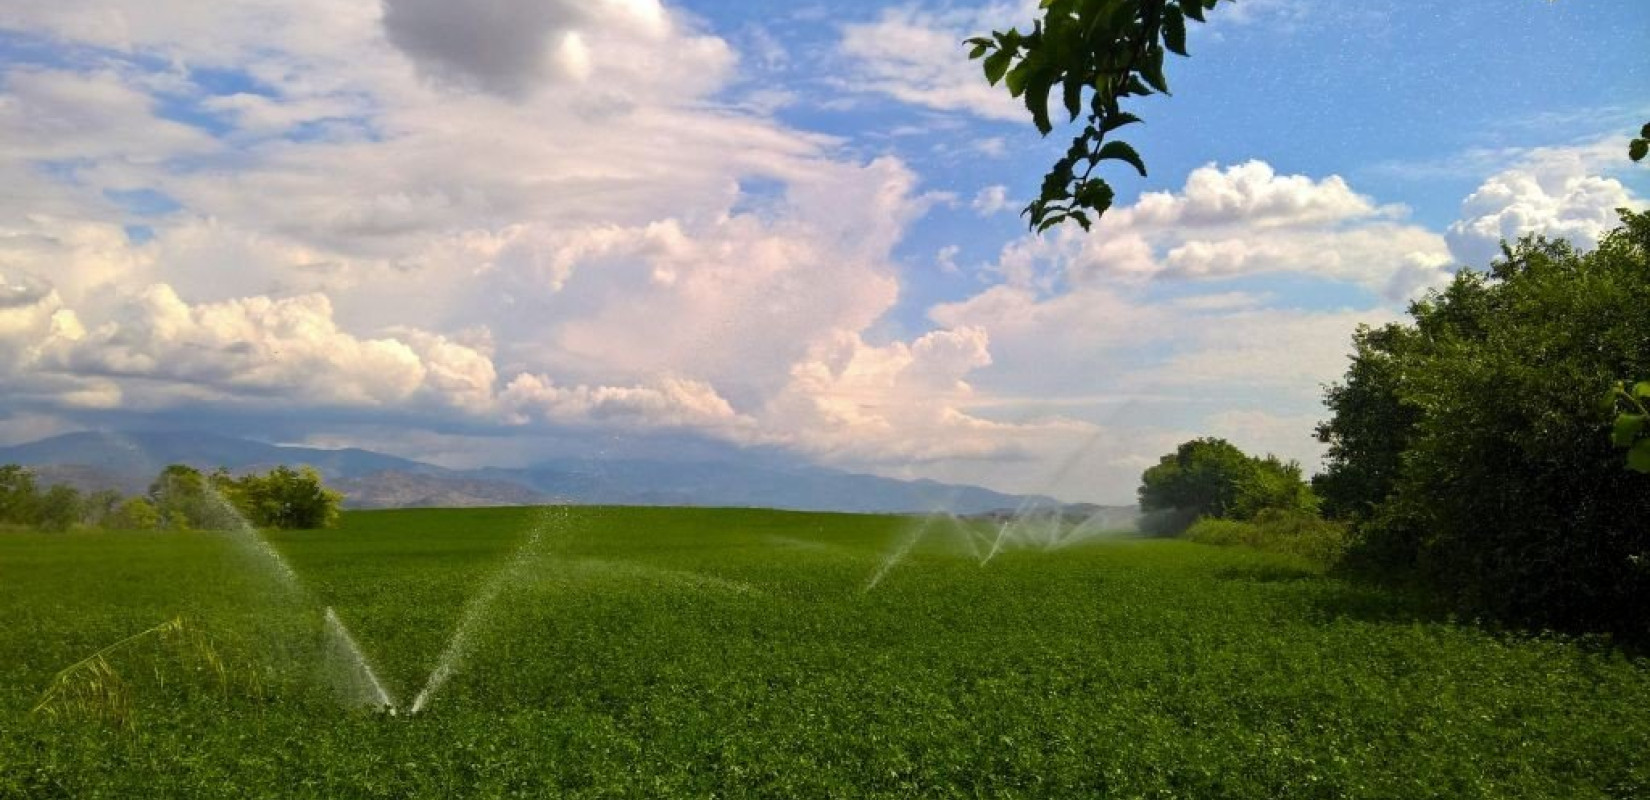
1211, 477
100, 506
186, 500
1097, 53
282, 498
1201, 477
134, 514
60, 508
1369, 427
1273, 485
1470, 447
19, 497
1638, 148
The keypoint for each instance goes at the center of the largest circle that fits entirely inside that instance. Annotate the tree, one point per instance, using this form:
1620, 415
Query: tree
135, 514
1098, 53
19, 497
1369, 426
1472, 450
1211, 477
185, 500
100, 506
282, 498
1201, 478
59, 509
1273, 484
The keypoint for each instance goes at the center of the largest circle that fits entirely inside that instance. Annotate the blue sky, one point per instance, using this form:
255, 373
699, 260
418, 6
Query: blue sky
472, 237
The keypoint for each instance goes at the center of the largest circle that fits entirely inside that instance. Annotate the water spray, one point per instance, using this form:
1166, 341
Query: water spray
475, 611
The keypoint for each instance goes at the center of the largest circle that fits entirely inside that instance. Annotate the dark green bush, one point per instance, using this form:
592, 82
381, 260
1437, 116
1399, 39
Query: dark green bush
1471, 450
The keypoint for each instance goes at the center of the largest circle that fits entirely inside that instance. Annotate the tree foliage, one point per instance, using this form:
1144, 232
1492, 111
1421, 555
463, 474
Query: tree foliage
1472, 451
282, 498
19, 497
1638, 148
60, 508
1211, 477
1632, 429
1096, 54
180, 496
134, 514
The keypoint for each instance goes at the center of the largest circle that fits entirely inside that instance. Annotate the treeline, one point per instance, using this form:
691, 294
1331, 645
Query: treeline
180, 498
1486, 450
1210, 491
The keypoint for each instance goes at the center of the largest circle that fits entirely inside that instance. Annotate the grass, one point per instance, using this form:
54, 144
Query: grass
731, 653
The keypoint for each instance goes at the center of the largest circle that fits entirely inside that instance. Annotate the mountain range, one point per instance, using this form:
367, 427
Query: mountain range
128, 461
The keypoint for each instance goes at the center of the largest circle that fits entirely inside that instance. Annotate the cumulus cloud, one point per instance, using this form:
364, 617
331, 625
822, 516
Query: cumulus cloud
1244, 220
667, 402
1560, 201
258, 348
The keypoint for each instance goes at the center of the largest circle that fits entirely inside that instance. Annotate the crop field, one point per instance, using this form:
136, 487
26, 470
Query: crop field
621, 652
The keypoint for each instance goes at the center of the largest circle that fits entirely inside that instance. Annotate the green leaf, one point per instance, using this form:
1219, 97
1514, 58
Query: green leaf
1174, 30
1638, 458
1095, 194
1118, 120
1638, 149
1641, 390
1016, 78
996, 64
979, 50
1627, 429
1152, 70
1074, 94
1193, 9
1034, 82
1645, 131
1122, 151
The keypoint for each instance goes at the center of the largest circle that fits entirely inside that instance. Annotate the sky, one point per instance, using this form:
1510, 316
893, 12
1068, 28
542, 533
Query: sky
496, 232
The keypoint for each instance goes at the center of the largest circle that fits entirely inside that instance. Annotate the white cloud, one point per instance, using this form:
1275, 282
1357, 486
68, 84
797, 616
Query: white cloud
1239, 221
917, 56
259, 350
1557, 200
991, 200
667, 402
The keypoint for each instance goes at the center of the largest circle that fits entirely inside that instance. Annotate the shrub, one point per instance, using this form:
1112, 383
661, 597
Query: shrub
1472, 452
1306, 536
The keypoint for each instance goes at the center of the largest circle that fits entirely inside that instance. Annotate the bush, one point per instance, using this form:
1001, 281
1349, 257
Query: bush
1472, 452
1306, 536
134, 514
282, 498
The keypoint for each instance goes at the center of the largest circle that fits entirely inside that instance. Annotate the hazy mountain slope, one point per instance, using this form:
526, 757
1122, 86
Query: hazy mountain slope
373, 480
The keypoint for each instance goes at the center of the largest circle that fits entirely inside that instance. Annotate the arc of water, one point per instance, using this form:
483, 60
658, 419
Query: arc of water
475, 611
379, 696
911, 538
247, 538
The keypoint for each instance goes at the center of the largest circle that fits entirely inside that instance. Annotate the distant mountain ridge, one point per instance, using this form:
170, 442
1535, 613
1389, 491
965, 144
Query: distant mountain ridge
128, 461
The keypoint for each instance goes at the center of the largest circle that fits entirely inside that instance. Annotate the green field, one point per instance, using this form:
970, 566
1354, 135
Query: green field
717, 653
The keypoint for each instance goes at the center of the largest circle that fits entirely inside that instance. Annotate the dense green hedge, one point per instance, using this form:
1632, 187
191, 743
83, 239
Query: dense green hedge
1470, 448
